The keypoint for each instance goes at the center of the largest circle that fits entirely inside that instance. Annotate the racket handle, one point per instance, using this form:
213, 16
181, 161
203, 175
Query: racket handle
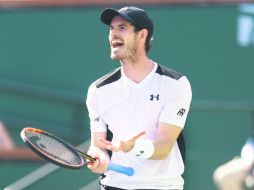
121, 169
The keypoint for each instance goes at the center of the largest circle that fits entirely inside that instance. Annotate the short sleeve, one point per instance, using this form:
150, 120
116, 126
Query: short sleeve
177, 103
96, 121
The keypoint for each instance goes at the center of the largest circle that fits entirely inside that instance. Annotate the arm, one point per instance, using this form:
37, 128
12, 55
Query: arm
19, 154
165, 139
10, 152
98, 131
172, 118
6, 142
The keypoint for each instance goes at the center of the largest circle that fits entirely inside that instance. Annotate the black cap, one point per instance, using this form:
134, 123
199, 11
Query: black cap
138, 17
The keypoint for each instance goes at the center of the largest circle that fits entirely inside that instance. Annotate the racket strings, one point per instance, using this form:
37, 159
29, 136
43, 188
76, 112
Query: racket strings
54, 148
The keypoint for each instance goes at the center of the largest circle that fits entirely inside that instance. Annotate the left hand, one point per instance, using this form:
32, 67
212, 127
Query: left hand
124, 146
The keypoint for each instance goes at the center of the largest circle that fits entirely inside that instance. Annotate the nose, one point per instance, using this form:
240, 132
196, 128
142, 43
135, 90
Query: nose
112, 34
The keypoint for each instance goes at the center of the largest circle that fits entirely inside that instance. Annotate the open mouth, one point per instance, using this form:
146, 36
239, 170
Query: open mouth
116, 44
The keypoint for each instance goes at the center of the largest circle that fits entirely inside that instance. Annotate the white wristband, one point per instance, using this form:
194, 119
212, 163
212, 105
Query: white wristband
142, 149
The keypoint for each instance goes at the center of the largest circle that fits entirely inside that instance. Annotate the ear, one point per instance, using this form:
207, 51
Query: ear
143, 34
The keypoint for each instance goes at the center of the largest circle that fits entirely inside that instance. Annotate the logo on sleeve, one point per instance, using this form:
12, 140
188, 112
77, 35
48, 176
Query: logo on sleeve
97, 119
181, 112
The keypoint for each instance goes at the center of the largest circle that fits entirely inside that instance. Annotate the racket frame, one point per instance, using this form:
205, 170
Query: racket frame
51, 157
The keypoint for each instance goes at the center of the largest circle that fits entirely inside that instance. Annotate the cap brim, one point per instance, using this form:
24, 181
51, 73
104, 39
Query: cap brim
107, 15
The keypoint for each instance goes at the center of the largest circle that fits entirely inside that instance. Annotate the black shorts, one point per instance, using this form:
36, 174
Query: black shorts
104, 187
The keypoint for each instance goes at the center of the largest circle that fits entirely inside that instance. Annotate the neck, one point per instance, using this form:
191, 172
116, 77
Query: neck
136, 70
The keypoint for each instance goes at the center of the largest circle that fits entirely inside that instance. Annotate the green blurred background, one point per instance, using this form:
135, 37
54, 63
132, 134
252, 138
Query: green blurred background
48, 58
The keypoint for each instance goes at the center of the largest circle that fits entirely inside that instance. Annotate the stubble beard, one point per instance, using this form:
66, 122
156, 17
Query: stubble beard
129, 51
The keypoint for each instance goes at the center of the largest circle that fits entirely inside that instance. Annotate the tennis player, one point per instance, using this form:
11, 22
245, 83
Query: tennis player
143, 104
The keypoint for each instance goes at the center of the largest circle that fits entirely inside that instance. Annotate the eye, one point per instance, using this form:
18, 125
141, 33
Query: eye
122, 27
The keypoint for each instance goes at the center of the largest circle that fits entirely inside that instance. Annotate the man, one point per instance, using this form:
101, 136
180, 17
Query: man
5, 140
238, 173
9, 151
143, 104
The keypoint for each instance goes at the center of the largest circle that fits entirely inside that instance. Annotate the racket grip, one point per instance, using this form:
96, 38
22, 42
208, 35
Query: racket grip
121, 169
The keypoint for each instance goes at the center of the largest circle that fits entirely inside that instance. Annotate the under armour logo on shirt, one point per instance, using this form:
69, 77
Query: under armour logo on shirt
154, 97
181, 112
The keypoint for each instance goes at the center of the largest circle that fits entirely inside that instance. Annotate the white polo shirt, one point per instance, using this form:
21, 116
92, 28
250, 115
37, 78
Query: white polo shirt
127, 108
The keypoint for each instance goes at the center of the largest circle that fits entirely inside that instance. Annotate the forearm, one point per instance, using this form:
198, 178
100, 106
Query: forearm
162, 149
165, 140
148, 149
19, 153
161, 146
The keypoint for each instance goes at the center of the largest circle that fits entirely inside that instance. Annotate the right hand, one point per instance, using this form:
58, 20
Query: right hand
100, 165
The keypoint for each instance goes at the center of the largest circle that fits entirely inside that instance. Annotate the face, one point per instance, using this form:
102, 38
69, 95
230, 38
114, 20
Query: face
122, 38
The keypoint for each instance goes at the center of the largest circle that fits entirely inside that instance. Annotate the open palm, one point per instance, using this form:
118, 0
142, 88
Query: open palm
124, 146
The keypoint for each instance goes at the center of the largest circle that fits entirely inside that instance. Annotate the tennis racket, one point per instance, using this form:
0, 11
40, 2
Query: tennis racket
59, 152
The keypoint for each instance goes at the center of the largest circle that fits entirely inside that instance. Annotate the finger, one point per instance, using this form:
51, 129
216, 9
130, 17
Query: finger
108, 145
104, 141
89, 163
126, 146
138, 136
95, 164
113, 148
